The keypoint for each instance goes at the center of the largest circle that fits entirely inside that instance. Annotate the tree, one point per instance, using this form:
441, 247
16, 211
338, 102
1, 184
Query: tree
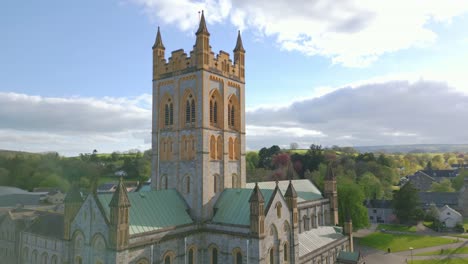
438, 162
384, 160
4, 177
293, 145
405, 203
444, 186
314, 157
280, 160
458, 182
252, 159
265, 156
350, 202
429, 165
371, 186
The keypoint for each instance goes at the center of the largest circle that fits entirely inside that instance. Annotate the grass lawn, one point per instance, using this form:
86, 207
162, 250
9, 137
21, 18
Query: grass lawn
462, 236
400, 242
440, 261
400, 228
462, 250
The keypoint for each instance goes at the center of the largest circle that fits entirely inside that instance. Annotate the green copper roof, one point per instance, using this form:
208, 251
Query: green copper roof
233, 206
305, 189
152, 210
349, 256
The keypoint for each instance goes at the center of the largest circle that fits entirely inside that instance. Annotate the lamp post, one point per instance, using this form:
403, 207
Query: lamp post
411, 248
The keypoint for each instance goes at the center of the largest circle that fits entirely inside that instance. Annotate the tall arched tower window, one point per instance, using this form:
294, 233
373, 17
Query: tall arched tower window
166, 111
189, 110
216, 109
233, 112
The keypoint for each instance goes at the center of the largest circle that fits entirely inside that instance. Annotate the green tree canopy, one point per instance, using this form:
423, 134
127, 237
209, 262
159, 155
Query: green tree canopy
405, 203
350, 201
371, 186
443, 186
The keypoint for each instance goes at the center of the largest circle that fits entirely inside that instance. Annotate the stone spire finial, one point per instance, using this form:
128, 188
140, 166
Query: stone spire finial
239, 46
158, 42
202, 27
120, 197
256, 195
290, 192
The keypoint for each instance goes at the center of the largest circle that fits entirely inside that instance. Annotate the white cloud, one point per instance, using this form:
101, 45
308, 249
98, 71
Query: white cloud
383, 113
366, 113
74, 125
353, 33
253, 130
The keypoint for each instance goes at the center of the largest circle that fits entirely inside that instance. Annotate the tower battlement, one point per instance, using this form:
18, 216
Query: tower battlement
201, 57
179, 63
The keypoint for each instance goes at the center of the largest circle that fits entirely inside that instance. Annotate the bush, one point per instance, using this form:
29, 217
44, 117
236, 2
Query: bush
459, 228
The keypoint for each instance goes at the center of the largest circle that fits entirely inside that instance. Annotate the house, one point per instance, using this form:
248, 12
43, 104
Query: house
421, 181
439, 199
449, 216
121, 173
380, 211
12, 197
439, 175
55, 197
107, 187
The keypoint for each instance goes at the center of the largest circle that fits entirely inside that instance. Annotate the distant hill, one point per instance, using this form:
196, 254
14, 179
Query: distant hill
11, 153
417, 148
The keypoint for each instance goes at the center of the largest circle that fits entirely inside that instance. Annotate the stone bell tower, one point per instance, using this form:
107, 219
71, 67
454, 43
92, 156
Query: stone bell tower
198, 137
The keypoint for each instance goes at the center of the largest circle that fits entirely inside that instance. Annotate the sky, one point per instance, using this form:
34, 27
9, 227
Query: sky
76, 75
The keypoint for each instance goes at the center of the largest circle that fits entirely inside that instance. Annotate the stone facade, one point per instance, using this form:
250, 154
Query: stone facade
198, 122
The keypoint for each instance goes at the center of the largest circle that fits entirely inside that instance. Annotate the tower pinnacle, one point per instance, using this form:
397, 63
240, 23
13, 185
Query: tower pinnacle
120, 197
158, 42
202, 29
239, 46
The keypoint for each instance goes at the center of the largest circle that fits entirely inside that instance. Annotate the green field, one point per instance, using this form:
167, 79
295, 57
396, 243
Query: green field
401, 242
440, 261
400, 228
449, 251
462, 236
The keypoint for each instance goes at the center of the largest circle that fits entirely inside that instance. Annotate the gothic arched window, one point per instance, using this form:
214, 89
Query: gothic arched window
191, 256
168, 113
214, 255
285, 251
216, 109
233, 112
189, 110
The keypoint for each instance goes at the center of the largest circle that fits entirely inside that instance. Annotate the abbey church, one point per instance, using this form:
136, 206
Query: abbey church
199, 209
